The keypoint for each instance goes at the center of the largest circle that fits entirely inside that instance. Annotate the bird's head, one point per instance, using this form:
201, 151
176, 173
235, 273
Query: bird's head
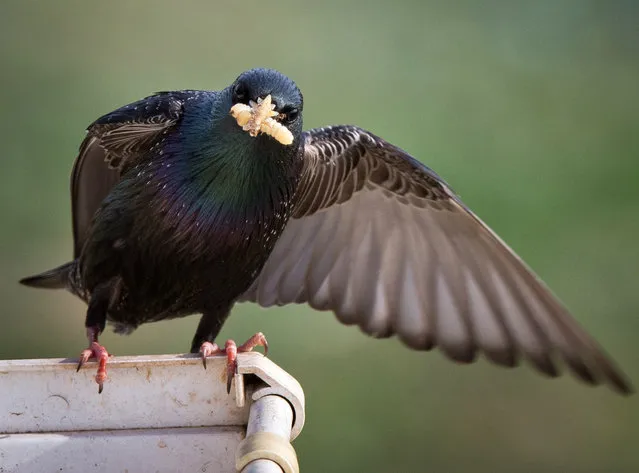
265, 106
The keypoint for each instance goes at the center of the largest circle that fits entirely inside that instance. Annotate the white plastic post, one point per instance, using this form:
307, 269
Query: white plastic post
269, 414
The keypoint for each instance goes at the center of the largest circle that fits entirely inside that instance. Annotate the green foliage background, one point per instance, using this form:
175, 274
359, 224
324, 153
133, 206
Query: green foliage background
528, 109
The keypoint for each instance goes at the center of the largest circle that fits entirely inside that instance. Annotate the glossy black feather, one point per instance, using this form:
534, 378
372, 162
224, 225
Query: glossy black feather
113, 144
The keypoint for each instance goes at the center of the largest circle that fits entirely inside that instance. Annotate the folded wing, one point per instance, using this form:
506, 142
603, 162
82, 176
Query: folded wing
115, 143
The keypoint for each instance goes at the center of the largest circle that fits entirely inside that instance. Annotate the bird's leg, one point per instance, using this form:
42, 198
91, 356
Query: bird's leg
231, 349
95, 323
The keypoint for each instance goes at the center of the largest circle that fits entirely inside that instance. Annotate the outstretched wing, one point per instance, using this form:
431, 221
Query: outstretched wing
114, 143
383, 242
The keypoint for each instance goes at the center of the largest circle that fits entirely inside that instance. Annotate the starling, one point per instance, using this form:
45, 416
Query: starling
190, 201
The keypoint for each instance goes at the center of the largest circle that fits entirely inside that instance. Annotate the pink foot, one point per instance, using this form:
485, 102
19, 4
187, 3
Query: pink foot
231, 350
100, 353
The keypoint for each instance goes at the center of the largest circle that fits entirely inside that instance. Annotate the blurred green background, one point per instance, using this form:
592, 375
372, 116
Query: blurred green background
528, 109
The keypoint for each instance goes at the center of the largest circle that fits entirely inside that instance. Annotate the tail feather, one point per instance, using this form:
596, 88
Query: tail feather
57, 278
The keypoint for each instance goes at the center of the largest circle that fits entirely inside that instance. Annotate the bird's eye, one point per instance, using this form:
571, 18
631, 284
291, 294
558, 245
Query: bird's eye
240, 93
290, 114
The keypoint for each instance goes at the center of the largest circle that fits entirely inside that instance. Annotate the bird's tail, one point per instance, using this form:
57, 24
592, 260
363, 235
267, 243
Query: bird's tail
57, 278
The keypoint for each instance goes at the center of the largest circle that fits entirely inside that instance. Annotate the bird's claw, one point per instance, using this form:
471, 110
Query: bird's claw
209, 349
100, 353
231, 349
258, 340
231, 371
84, 357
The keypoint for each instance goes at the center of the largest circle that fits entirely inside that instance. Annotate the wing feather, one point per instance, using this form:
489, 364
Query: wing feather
383, 242
114, 144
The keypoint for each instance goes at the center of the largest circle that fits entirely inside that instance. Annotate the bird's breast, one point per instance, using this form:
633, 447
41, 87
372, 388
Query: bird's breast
198, 231
191, 232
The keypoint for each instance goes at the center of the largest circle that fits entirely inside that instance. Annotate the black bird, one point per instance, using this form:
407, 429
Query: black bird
190, 201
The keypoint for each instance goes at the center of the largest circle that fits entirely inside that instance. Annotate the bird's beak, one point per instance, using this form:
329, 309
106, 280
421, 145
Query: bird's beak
261, 117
